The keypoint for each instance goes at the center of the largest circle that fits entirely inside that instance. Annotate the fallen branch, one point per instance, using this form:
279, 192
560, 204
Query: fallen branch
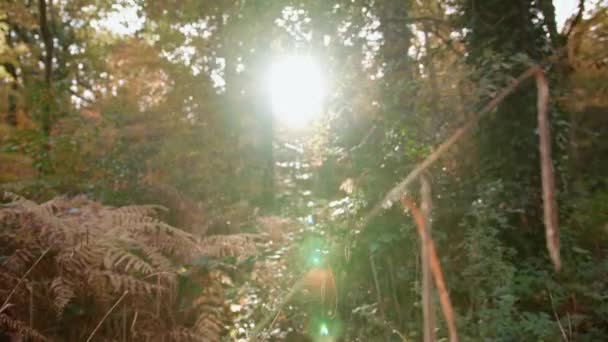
548, 178
395, 193
435, 266
546, 166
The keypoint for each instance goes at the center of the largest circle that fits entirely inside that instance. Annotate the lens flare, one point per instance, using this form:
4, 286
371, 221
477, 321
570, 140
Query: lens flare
324, 330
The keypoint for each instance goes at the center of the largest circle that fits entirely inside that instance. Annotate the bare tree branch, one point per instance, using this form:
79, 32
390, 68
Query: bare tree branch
571, 24
396, 192
435, 266
547, 176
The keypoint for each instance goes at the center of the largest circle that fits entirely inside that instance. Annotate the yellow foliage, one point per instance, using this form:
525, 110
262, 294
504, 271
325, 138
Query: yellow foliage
587, 53
16, 167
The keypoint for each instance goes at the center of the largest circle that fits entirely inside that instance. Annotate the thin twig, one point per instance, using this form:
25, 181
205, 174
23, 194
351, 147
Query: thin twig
270, 317
365, 138
158, 288
106, 315
396, 332
569, 324
124, 323
444, 297
378, 294
31, 289
133, 322
394, 292
336, 295
23, 277
559, 323
276, 317
385, 326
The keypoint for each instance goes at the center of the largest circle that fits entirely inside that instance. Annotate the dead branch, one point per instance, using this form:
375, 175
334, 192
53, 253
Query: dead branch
395, 193
573, 21
435, 266
547, 176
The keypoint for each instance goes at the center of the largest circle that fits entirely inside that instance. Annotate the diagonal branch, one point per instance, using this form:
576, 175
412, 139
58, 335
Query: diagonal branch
395, 193
547, 175
576, 19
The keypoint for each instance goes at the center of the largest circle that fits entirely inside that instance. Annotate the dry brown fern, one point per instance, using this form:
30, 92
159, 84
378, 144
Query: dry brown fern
20, 328
95, 254
239, 245
119, 258
211, 308
180, 334
63, 293
108, 282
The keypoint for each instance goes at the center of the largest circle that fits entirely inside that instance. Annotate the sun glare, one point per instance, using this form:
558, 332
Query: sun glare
296, 90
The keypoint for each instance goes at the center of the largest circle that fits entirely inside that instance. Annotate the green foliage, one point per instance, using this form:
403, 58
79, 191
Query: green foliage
175, 111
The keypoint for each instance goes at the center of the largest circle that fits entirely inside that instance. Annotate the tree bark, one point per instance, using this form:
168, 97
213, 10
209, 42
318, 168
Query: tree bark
546, 165
435, 112
47, 39
435, 267
11, 69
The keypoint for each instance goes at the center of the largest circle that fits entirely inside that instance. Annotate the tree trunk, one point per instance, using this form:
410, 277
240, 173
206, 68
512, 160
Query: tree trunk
427, 281
47, 38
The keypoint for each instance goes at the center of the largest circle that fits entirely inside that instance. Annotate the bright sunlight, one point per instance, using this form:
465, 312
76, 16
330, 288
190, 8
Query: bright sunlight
296, 89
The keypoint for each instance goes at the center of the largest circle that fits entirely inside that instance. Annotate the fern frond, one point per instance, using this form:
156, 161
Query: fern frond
210, 326
119, 283
211, 310
150, 210
180, 334
15, 199
43, 221
19, 260
63, 293
99, 252
129, 216
80, 257
237, 245
21, 328
117, 258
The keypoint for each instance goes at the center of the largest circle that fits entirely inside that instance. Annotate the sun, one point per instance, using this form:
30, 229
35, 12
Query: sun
296, 90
